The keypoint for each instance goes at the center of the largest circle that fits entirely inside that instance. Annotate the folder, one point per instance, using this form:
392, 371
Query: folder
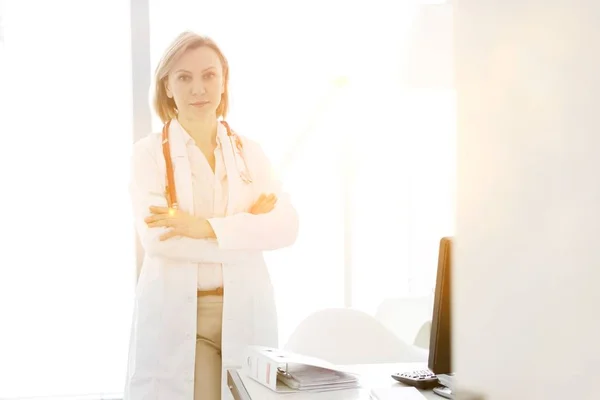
287, 372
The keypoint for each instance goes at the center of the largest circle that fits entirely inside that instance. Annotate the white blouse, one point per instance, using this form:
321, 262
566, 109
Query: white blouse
210, 191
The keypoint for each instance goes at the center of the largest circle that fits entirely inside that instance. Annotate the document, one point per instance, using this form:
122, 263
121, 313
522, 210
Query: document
308, 377
258, 391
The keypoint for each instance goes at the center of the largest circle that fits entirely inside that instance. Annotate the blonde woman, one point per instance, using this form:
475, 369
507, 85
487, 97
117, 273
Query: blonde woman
206, 205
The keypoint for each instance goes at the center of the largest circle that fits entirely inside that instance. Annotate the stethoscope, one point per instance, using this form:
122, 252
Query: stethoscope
238, 155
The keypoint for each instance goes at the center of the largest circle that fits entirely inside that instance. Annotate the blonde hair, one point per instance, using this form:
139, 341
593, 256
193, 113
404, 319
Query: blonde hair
164, 105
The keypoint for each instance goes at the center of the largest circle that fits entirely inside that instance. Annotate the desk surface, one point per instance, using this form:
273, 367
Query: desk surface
377, 375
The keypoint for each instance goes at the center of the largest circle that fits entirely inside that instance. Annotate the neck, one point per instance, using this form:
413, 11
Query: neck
201, 130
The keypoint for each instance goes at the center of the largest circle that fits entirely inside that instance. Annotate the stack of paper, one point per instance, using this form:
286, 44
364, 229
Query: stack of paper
285, 372
309, 377
257, 391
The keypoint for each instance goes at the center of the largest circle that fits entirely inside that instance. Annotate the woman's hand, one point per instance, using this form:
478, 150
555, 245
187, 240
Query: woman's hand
264, 204
182, 223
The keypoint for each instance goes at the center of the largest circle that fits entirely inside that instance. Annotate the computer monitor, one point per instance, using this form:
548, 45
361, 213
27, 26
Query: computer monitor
440, 349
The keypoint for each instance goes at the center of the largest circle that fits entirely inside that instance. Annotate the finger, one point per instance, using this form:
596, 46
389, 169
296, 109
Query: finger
258, 202
270, 203
156, 217
167, 235
264, 204
255, 209
260, 199
263, 208
159, 210
162, 222
272, 198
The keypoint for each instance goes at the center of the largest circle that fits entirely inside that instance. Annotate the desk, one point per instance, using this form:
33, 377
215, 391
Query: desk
377, 376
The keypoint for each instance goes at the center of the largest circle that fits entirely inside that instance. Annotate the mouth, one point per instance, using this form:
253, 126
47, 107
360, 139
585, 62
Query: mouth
199, 103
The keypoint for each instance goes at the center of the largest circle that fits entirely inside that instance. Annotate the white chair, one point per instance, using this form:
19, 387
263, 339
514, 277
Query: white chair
423, 336
348, 336
409, 318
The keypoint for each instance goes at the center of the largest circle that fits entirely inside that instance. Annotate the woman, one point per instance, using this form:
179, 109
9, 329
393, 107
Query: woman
204, 292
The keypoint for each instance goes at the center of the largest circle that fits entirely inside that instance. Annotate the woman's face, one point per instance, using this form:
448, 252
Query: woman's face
196, 83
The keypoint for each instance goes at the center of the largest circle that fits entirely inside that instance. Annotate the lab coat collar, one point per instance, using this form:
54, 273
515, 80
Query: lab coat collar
233, 177
221, 135
178, 139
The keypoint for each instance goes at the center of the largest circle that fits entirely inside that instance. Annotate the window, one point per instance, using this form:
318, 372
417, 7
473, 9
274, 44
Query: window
404, 199
282, 96
319, 92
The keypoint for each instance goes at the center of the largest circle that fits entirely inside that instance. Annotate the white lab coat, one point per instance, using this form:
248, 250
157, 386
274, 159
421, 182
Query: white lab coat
163, 335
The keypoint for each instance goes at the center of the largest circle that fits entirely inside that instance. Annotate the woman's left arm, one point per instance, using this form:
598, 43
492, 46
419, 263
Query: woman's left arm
273, 230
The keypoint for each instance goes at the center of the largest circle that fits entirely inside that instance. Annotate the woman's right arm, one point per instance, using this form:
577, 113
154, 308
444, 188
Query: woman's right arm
147, 189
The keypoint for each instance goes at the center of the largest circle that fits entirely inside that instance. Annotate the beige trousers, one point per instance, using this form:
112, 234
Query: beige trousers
207, 385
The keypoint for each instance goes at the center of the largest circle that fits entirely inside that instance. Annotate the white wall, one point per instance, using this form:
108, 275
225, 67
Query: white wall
66, 267
527, 294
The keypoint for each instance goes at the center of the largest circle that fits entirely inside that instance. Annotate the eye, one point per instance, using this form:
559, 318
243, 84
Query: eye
184, 78
209, 75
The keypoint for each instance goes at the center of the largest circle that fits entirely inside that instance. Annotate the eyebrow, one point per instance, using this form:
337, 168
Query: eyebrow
186, 71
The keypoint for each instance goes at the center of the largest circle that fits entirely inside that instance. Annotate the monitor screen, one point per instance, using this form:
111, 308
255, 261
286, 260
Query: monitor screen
440, 353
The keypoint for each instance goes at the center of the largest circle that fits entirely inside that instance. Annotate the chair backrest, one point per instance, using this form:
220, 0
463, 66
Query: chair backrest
423, 336
405, 317
348, 336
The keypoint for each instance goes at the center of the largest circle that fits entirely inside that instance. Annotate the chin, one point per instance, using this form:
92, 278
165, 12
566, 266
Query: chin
203, 110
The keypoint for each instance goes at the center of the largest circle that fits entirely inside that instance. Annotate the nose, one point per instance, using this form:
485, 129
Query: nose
198, 87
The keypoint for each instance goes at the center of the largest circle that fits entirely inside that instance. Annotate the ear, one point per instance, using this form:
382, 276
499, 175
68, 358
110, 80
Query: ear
168, 89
